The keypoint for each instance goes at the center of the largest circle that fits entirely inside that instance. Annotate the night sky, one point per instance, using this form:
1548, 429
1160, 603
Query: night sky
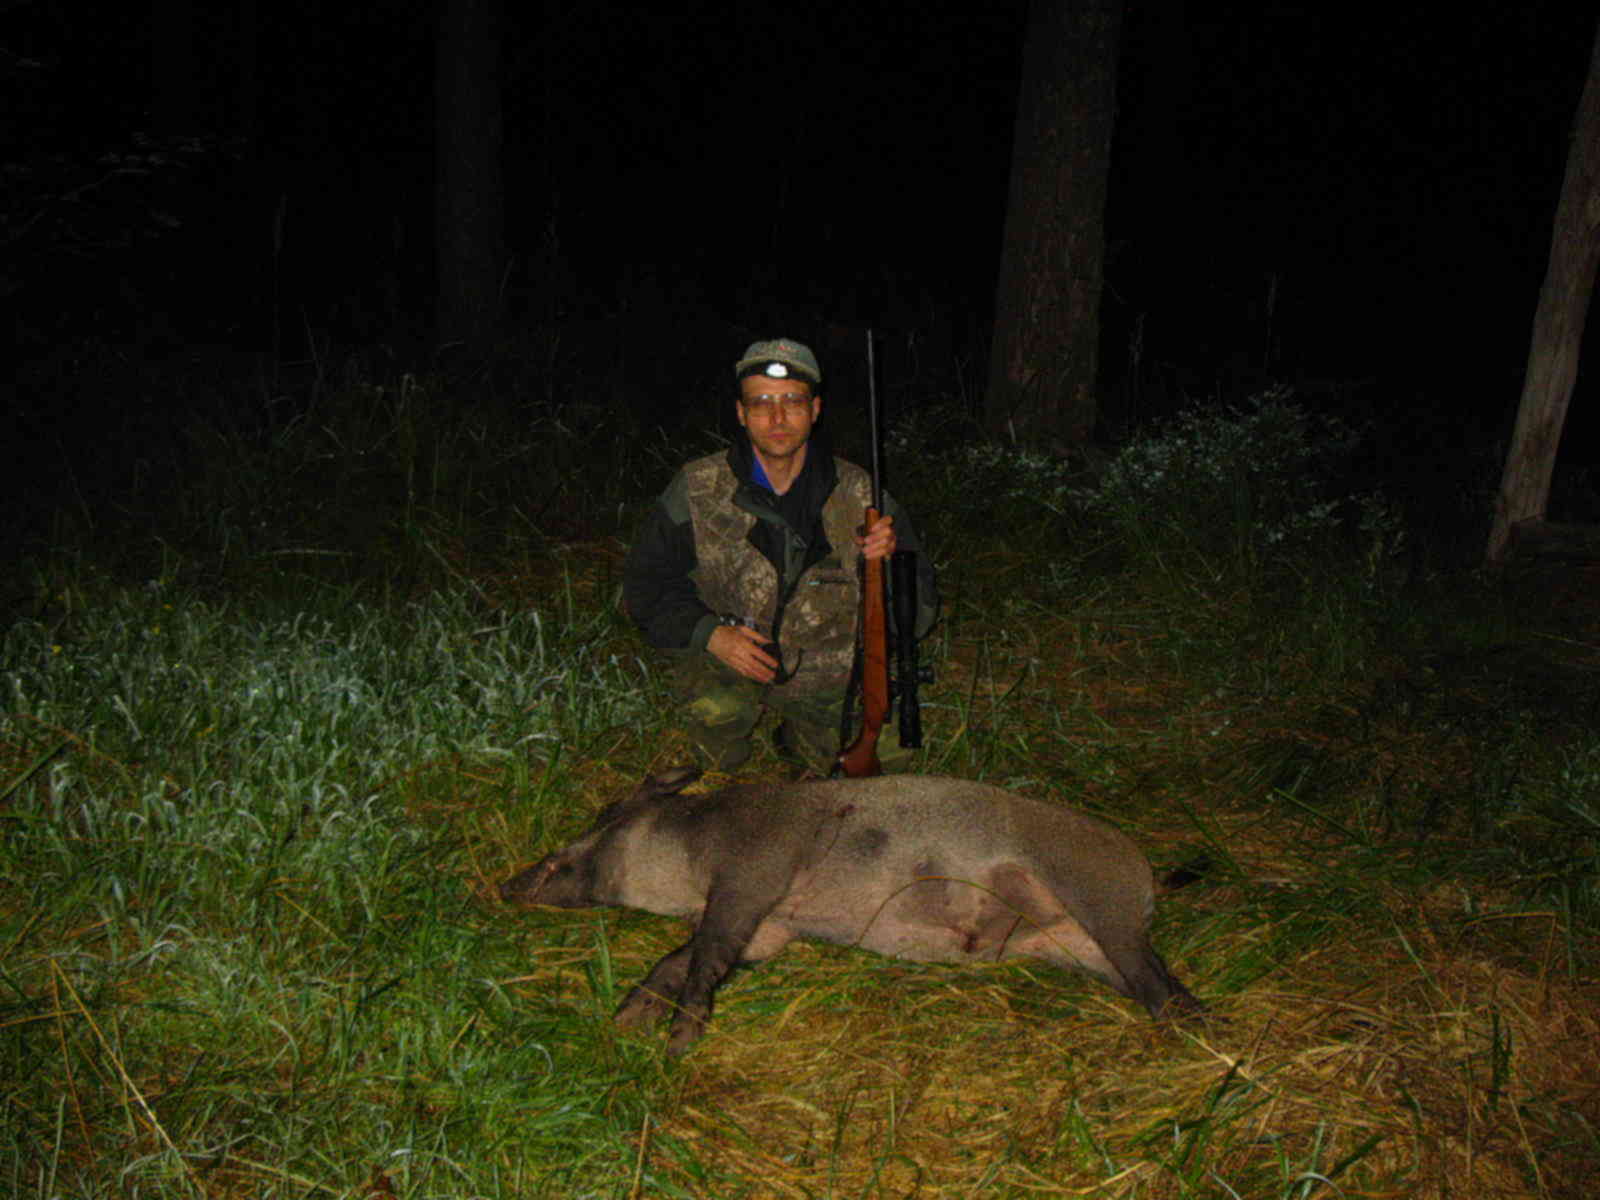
1338, 193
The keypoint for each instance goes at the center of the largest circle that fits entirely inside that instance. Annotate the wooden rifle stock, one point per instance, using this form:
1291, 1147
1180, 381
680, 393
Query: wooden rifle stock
860, 758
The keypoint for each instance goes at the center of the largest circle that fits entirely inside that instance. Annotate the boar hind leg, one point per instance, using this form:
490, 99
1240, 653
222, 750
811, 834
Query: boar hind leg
1126, 960
1149, 981
1132, 967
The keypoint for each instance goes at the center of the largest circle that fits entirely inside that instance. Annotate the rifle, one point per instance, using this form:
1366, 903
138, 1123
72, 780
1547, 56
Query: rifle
860, 758
907, 673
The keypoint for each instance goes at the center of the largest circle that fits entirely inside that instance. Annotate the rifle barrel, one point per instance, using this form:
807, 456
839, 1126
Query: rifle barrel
872, 418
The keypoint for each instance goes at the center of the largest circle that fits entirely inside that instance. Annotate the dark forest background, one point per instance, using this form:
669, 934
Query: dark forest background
1356, 203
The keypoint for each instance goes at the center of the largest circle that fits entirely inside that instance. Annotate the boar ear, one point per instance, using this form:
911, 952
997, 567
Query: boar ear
654, 787
670, 781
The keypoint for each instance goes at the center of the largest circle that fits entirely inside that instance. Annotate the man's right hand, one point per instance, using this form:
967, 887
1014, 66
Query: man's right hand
744, 650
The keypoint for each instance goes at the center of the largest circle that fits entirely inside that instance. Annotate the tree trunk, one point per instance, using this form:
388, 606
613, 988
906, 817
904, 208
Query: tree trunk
1045, 354
468, 196
1557, 329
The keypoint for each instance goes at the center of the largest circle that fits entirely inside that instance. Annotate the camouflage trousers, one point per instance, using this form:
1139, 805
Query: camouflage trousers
721, 710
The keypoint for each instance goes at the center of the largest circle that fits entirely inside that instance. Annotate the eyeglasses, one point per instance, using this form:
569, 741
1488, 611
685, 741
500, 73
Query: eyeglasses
768, 405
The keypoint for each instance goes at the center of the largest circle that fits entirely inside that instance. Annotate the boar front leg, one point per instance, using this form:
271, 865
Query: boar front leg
658, 994
733, 914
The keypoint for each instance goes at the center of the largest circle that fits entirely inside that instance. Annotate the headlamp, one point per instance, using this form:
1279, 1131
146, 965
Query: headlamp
772, 369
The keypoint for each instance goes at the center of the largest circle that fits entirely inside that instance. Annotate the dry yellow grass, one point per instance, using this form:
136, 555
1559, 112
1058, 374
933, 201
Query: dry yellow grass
1449, 1053
1408, 1041
829, 1072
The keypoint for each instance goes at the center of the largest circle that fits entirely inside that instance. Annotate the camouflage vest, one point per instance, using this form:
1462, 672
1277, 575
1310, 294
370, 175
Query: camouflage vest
818, 631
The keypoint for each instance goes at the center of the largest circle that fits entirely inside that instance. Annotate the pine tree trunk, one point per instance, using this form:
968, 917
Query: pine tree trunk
1557, 330
1045, 355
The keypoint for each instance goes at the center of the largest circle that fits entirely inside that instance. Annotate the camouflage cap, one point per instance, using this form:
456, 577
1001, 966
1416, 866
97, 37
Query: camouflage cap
780, 358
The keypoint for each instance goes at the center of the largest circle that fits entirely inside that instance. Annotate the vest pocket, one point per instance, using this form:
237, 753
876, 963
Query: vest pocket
821, 577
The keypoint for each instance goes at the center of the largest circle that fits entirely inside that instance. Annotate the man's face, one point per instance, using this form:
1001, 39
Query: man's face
778, 414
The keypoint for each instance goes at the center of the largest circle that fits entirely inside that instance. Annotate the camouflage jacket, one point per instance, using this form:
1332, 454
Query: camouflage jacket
717, 545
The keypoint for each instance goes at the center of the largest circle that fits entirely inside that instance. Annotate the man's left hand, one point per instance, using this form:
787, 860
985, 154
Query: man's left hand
879, 541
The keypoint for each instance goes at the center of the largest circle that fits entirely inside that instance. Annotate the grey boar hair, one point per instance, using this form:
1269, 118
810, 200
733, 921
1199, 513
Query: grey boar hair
916, 867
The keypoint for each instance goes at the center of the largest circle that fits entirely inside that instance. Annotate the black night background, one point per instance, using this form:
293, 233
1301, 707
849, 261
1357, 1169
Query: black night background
1359, 204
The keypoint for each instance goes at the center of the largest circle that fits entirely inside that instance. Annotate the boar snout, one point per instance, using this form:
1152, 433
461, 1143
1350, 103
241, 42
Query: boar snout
560, 881
523, 887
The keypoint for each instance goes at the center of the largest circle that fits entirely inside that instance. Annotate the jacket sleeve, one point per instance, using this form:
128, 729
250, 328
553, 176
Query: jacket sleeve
657, 588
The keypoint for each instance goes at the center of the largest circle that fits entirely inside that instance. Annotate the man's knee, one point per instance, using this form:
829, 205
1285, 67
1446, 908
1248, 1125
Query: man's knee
718, 708
720, 722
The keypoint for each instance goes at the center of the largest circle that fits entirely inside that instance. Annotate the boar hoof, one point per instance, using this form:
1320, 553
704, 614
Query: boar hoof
642, 1009
687, 1027
1183, 1007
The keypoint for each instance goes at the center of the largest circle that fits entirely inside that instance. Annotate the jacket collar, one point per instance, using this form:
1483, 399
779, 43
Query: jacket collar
811, 488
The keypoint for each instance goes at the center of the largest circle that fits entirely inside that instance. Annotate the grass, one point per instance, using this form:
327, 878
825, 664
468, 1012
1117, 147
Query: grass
232, 921
259, 777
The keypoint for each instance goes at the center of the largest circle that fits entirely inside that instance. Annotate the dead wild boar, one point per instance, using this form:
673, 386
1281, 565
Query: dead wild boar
916, 867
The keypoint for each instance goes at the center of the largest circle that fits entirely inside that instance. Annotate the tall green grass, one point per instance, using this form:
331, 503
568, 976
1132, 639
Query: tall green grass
256, 770
236, 944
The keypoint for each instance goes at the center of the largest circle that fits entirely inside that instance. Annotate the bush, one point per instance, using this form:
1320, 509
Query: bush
1239, 493
1247, 487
